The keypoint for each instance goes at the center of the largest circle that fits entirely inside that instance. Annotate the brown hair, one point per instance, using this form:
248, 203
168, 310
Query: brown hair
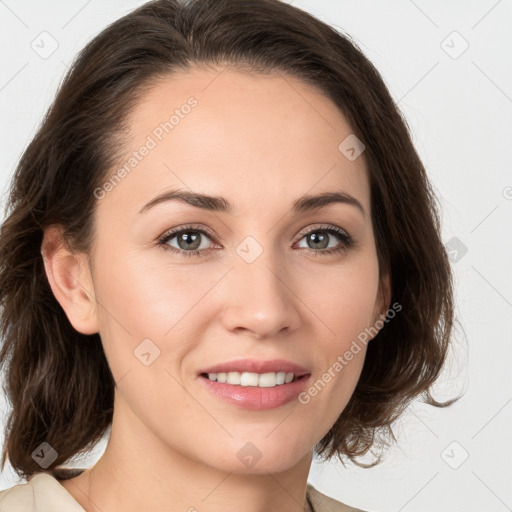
57, 380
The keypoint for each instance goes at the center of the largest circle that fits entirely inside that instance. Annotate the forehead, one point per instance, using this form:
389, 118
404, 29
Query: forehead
255, 139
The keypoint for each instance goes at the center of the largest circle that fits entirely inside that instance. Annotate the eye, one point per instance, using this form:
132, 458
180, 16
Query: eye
188, 239
319, 239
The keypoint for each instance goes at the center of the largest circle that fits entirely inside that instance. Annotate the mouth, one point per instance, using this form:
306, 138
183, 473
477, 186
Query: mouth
253, 379
255, 384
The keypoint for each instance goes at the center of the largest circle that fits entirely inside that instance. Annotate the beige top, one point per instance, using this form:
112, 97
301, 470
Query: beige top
44, 493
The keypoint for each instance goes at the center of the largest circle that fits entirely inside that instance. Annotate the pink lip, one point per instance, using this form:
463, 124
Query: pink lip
254, 397
257, 366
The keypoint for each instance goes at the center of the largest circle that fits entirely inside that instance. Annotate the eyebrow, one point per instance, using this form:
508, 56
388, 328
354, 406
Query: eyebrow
220, 204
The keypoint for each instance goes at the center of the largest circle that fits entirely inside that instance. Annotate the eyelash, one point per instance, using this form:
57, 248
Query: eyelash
346, 240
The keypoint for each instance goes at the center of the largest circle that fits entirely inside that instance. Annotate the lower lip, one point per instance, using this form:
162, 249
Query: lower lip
254, 397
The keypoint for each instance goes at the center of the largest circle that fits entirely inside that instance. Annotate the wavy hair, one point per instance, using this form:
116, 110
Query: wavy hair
57, 380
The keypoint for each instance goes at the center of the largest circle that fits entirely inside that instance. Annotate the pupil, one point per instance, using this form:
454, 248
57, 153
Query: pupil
190, 239
322, 239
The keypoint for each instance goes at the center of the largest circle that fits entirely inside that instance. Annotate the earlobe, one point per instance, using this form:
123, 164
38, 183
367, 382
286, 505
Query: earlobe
70, 280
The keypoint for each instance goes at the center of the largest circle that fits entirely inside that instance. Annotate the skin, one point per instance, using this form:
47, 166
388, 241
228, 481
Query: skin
261, 142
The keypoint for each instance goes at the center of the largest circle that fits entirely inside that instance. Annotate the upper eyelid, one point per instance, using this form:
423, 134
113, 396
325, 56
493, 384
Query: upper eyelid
171, 233
305, 231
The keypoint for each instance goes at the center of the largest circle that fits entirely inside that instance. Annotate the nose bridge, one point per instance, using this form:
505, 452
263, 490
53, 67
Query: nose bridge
258, 295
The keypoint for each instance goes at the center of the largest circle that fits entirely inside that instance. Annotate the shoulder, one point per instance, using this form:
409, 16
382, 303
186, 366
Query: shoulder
322, 503
41, 493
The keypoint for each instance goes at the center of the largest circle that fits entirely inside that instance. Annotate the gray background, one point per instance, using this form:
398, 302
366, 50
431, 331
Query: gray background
458, 104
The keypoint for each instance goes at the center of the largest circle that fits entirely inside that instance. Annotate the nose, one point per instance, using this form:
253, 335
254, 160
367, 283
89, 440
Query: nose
259, 299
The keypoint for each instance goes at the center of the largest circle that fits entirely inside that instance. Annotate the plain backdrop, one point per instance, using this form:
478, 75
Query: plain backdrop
448, 66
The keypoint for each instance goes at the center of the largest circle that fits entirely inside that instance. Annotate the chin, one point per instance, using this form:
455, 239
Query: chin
260, 457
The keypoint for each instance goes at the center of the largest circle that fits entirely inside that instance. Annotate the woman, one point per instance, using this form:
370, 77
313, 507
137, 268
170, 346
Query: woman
223, 246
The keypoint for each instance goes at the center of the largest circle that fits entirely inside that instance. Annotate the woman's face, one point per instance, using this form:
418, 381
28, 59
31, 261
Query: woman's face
253, 281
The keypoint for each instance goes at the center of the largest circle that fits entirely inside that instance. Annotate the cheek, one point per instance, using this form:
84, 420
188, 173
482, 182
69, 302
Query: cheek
141, 298
145, 292
343, 302
342, 297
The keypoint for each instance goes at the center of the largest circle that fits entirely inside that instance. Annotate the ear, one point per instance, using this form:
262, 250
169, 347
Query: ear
70, 280
383, 298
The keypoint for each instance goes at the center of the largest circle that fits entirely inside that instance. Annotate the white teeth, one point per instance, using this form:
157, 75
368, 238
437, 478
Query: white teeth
249, 379
267, 380
233, 378
262, 380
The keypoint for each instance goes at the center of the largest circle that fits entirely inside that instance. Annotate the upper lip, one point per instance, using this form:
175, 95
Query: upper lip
257, 366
